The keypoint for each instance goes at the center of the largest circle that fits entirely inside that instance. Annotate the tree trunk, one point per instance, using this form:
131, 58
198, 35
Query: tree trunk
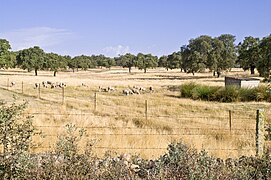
218, 74
130, 69
145, 70
252, 69
36, 72
73, 70
167, 69
214, 73
54, 73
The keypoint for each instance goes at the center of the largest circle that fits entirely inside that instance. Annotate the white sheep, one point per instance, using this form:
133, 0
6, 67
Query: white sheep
127, 92
103, 89
135, 91
37, 85
12, 83
83, 84
110, 88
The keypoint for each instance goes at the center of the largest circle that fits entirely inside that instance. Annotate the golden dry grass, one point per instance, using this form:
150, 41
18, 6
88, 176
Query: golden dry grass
119, 122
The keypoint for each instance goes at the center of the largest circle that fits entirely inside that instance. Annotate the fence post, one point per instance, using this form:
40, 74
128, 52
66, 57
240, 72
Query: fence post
146, 109
63, 96
259, 132
8, 84
22, 87
39, 91
95, 101
230, 119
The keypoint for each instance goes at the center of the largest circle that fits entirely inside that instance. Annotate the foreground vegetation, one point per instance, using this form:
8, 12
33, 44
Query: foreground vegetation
119, 123
225, 94
67, 161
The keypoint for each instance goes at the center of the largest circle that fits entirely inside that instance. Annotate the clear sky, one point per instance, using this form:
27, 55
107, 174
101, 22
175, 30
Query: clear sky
112, 27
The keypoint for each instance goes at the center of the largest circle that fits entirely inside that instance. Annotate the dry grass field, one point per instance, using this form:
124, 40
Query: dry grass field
119, 123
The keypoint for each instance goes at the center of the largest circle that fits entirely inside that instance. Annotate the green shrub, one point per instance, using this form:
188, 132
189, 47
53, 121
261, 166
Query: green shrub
225, 94
248, 94
186, 89
203, 92
264, 93
16, 138
228, 94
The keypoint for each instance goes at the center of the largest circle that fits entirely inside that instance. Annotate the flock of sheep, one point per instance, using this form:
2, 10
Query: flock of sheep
50, 84
127, 91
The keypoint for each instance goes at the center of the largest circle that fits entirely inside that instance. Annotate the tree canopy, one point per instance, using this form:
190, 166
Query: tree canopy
249, 53
54, 62
7, 58
217, 54
127, 61
31, 59
264, 64
146, 61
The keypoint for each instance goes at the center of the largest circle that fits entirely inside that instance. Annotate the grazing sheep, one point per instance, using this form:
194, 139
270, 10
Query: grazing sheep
103, 89
44, 84
57, 84
12, 83
37, 85
135, 91
139, 88
62, 84
151, 89
127, 92
49, 82
142, 89
83, 84
110, 88
53, 85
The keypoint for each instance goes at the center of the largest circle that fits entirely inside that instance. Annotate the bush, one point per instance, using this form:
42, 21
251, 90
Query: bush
15, 138
186, 89
204, 92
225, 94
248, 94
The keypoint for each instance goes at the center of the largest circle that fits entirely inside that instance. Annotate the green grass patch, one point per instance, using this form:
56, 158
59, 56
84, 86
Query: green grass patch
225, 94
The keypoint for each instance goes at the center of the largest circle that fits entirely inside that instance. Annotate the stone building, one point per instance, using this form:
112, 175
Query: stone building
241, 82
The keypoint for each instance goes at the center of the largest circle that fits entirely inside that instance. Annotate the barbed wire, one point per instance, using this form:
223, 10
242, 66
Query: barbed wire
147, 134
142, 115
147, 128
156, 148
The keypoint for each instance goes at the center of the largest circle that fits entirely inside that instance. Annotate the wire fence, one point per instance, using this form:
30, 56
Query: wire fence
230, 126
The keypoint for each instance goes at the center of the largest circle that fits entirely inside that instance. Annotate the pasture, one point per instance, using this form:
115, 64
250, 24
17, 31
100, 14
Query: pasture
142, 123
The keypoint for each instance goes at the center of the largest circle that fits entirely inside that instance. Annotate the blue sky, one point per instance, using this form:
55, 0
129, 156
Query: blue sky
112, 27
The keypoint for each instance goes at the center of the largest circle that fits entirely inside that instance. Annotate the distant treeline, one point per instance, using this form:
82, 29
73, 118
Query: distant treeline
217, 54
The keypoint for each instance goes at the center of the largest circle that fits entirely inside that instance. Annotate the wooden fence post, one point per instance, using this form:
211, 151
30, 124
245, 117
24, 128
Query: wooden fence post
22, 87
8, 84
230, 119
39, 91
95, 101
259, 132
146, 109
63, 95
